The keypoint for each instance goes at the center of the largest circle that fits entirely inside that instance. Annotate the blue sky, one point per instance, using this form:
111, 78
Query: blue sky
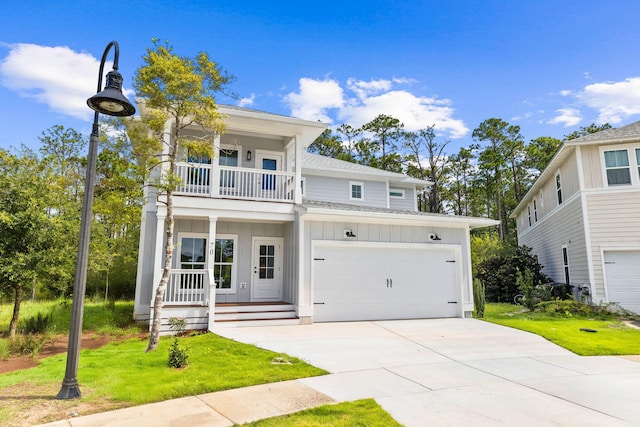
547, 66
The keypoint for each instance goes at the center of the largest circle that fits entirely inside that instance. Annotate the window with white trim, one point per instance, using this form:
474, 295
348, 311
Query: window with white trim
541, 199
396, 193
529, 214
535, 211
303, 186
224, 263
638, 161
559, 188
616, 163
565, 264
356, 191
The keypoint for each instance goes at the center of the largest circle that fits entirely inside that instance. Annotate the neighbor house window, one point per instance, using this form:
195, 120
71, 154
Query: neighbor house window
535, 211
565, 264
559, 188
541, 199
356, 191
529, 214
303, 186
638, 160
395, 193
223, 262
616, 163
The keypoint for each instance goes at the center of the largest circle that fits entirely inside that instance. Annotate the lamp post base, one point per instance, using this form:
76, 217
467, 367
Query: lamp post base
69, 391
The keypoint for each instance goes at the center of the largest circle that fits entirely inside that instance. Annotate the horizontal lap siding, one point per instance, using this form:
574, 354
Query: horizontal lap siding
614, 220
407, 203
564, 226
338, 190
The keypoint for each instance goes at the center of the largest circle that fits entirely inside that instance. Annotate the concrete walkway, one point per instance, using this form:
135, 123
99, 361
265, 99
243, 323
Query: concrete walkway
443, 372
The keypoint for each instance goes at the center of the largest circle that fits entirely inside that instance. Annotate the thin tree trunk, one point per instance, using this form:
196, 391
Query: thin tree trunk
13, 326
154, 337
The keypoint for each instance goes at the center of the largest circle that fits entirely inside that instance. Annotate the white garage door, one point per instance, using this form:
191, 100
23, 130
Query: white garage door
360, 281
622, 273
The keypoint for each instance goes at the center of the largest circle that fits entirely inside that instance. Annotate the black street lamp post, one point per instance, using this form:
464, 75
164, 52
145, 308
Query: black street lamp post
112, 102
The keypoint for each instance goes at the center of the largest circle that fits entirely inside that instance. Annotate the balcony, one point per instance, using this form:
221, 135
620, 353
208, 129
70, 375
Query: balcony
235, 183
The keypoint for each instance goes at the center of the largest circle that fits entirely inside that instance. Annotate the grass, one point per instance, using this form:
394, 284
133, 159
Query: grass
121, 374
613, 336
365, 413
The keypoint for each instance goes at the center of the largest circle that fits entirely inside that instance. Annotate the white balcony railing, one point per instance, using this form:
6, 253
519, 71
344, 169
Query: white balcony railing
237, 183
187, 287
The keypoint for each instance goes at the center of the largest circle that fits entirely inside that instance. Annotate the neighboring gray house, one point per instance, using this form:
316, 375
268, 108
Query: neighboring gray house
270, 234
582, 215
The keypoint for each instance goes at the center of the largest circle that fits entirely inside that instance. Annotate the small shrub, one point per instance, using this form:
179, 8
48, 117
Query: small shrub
478, 297
178, 356
569, 308
39, 324
27, 345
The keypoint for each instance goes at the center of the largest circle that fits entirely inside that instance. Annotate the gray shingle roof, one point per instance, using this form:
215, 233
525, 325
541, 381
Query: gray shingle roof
631, 131
315, 161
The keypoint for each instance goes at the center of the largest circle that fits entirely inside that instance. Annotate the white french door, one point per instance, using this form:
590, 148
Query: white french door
267, 268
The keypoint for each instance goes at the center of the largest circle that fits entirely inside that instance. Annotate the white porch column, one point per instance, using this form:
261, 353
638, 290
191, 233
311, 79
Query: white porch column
158, 254
298, 179
213, 220
214, 179
304, 304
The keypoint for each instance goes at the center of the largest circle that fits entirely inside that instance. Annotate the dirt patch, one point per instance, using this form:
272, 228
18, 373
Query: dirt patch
59, 345
29, 404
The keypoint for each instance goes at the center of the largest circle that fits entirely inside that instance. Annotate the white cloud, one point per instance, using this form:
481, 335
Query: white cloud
566, 116
614, 101
56, 76
316, 99
247, 102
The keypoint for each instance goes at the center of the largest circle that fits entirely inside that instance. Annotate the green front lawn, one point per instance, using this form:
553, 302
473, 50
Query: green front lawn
613, 336
364, 413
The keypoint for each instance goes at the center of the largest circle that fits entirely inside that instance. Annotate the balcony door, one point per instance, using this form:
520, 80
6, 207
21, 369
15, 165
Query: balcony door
269, 161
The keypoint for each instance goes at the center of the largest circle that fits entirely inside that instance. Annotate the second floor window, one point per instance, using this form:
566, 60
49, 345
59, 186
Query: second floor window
356, 191
616, 163
559, 188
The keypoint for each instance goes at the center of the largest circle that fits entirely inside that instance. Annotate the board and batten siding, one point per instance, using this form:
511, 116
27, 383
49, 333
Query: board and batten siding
614, 222
330, 230
338, 190
564, 226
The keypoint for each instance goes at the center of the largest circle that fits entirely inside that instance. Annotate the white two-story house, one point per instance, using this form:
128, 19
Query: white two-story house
269, 233
582, 216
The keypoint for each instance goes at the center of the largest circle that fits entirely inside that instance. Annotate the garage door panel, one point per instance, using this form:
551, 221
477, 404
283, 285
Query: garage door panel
622, 272
375, 283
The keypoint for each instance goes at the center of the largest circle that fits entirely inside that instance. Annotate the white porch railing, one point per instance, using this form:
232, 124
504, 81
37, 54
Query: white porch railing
187, 287
237, 183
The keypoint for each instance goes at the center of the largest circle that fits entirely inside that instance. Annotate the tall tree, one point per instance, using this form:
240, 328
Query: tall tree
539, 153
329, 145
503, 158
386, 130
426, 159
461, 170
24, 222
181, 90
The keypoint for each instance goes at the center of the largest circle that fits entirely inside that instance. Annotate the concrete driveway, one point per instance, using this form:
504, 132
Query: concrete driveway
447, 372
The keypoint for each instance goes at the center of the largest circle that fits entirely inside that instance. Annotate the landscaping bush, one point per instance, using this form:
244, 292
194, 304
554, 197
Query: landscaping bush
478, 297
499, 274
41, 323
569, 308
178, 356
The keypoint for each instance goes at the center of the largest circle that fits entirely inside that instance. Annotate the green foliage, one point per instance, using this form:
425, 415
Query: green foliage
38, 324
28, 345
613, 337
499, 274
570, 308
478, 297
586, 130
357, 413
178, 356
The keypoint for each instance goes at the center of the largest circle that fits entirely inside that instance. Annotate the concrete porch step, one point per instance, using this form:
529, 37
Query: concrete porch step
255, 314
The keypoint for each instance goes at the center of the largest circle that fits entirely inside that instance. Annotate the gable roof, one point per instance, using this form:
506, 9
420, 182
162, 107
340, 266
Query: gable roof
323, 165
624, 134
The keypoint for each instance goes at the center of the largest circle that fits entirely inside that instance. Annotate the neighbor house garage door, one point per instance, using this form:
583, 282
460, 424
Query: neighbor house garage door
622, 274
375, 281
